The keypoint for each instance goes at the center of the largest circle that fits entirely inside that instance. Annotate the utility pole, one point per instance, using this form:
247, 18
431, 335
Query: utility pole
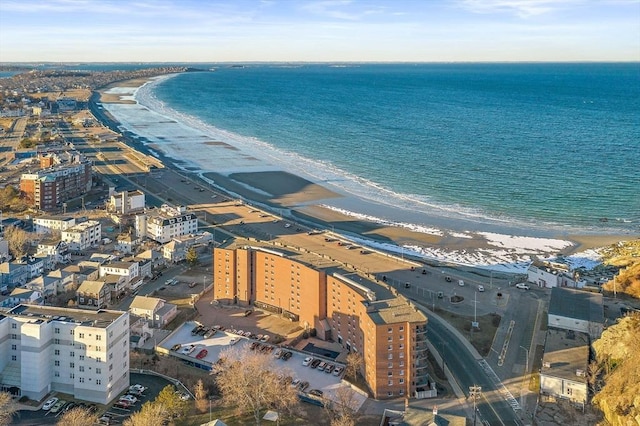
474, 392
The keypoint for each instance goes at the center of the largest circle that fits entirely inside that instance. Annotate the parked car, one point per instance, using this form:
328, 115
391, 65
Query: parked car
105, 419
188, 349
248, 312
480, 288
58, 406
278, 353
202, 354
316, 392
234, 340
287, 355
49, 403
315, 363
522, 286
322, 365
70, 406
308, 360
265, 338
461, 283
295, 383
447, 279
137, 388
329, 368
176, 347
338, 370
129, 398
302, 386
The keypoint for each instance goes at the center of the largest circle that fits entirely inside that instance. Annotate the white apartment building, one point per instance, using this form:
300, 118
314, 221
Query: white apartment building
129, 270
83, 235
165, 223
126, 202
50, 224
79, 352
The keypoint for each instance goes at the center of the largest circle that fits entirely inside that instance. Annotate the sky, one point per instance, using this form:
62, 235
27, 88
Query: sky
319, 30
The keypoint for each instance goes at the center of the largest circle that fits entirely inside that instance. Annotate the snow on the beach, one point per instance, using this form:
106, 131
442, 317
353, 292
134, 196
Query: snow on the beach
410, 226
543, 245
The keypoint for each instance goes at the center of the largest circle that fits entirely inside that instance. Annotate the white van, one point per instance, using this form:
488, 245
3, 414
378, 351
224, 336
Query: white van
461, 283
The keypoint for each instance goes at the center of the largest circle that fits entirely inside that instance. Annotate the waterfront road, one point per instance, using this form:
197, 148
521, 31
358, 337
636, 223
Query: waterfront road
493, 409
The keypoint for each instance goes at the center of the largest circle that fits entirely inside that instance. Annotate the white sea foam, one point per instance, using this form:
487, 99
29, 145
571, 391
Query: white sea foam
374, 219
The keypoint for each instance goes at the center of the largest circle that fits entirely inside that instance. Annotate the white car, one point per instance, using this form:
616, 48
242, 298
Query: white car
461, 283
522, 286
234, 340
188, 349
480, 288
129, 398
50, 403
308, 360
137, 388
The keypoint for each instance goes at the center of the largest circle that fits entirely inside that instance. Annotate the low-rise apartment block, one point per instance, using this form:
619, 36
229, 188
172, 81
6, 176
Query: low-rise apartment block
50, 224
362, 316
165, 223
126, 202
78, 352
83, 235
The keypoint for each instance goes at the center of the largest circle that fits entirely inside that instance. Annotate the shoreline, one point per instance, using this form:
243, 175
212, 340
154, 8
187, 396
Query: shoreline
295, 197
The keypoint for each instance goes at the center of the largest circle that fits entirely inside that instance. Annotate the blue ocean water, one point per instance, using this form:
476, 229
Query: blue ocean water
545, 145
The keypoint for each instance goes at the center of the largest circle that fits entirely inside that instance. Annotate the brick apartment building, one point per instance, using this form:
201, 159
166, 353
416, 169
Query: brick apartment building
360, 315
48, 188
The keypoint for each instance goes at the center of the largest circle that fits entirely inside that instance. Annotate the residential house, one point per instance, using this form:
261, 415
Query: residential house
66, 280
129, 270
155, 256
35, 266
157, 311
126, 202
13, 274
23, 296
564, 365
126, 243
576, 310
144, 265
174, 251
46, 285
93, 295
56, 250
82, 273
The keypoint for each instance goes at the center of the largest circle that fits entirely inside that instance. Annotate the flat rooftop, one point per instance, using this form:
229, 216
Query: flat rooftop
565, 353
577, 304
101, 318
394, 310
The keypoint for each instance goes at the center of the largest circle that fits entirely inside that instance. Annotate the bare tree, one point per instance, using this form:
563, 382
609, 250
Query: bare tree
151, 414
18, 240
77, 416
7, 408
249, 381
200, 394
343, 409
354, 363
593, 374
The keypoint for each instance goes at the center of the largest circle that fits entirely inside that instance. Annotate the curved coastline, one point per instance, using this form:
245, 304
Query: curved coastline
497, 246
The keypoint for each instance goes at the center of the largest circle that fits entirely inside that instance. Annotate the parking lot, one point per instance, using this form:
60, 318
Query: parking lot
153, 384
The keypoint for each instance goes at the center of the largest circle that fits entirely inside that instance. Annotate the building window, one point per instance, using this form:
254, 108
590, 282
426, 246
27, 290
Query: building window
98, 382
390, 382
56, 352
14, 358
82, 335
81, 379
56, 363
14, 325
56, 330
390, 339
401, 328
390, 356
401, 381
390, 373
14, 347
401, 392
72, 365
98, 370
390, 347
56, 374
390, 365
81, 357
72, 354
14, 336
402, 372
389, 393
98, 337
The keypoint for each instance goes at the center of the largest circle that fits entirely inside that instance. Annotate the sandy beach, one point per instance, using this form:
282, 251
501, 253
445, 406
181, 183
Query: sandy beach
248, 175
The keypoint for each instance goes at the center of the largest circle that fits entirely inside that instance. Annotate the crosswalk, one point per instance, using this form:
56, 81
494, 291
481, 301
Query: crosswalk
502, 389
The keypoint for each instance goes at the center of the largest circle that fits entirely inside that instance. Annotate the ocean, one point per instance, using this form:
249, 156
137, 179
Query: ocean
547, 147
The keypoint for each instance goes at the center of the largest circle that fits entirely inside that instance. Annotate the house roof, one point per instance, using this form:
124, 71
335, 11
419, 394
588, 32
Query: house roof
565, 352
22, 293
91, 287
145, 303
576, 304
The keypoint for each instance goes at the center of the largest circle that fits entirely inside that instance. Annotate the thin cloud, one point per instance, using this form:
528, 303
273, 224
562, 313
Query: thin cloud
340, 9
520, 8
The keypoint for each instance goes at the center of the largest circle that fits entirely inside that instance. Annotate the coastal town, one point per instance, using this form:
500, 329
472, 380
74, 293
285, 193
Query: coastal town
126, 280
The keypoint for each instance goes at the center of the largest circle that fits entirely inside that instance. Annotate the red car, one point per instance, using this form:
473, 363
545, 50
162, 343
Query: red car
202, 354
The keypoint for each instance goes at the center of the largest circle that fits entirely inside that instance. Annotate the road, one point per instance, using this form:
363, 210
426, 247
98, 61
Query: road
467, 371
